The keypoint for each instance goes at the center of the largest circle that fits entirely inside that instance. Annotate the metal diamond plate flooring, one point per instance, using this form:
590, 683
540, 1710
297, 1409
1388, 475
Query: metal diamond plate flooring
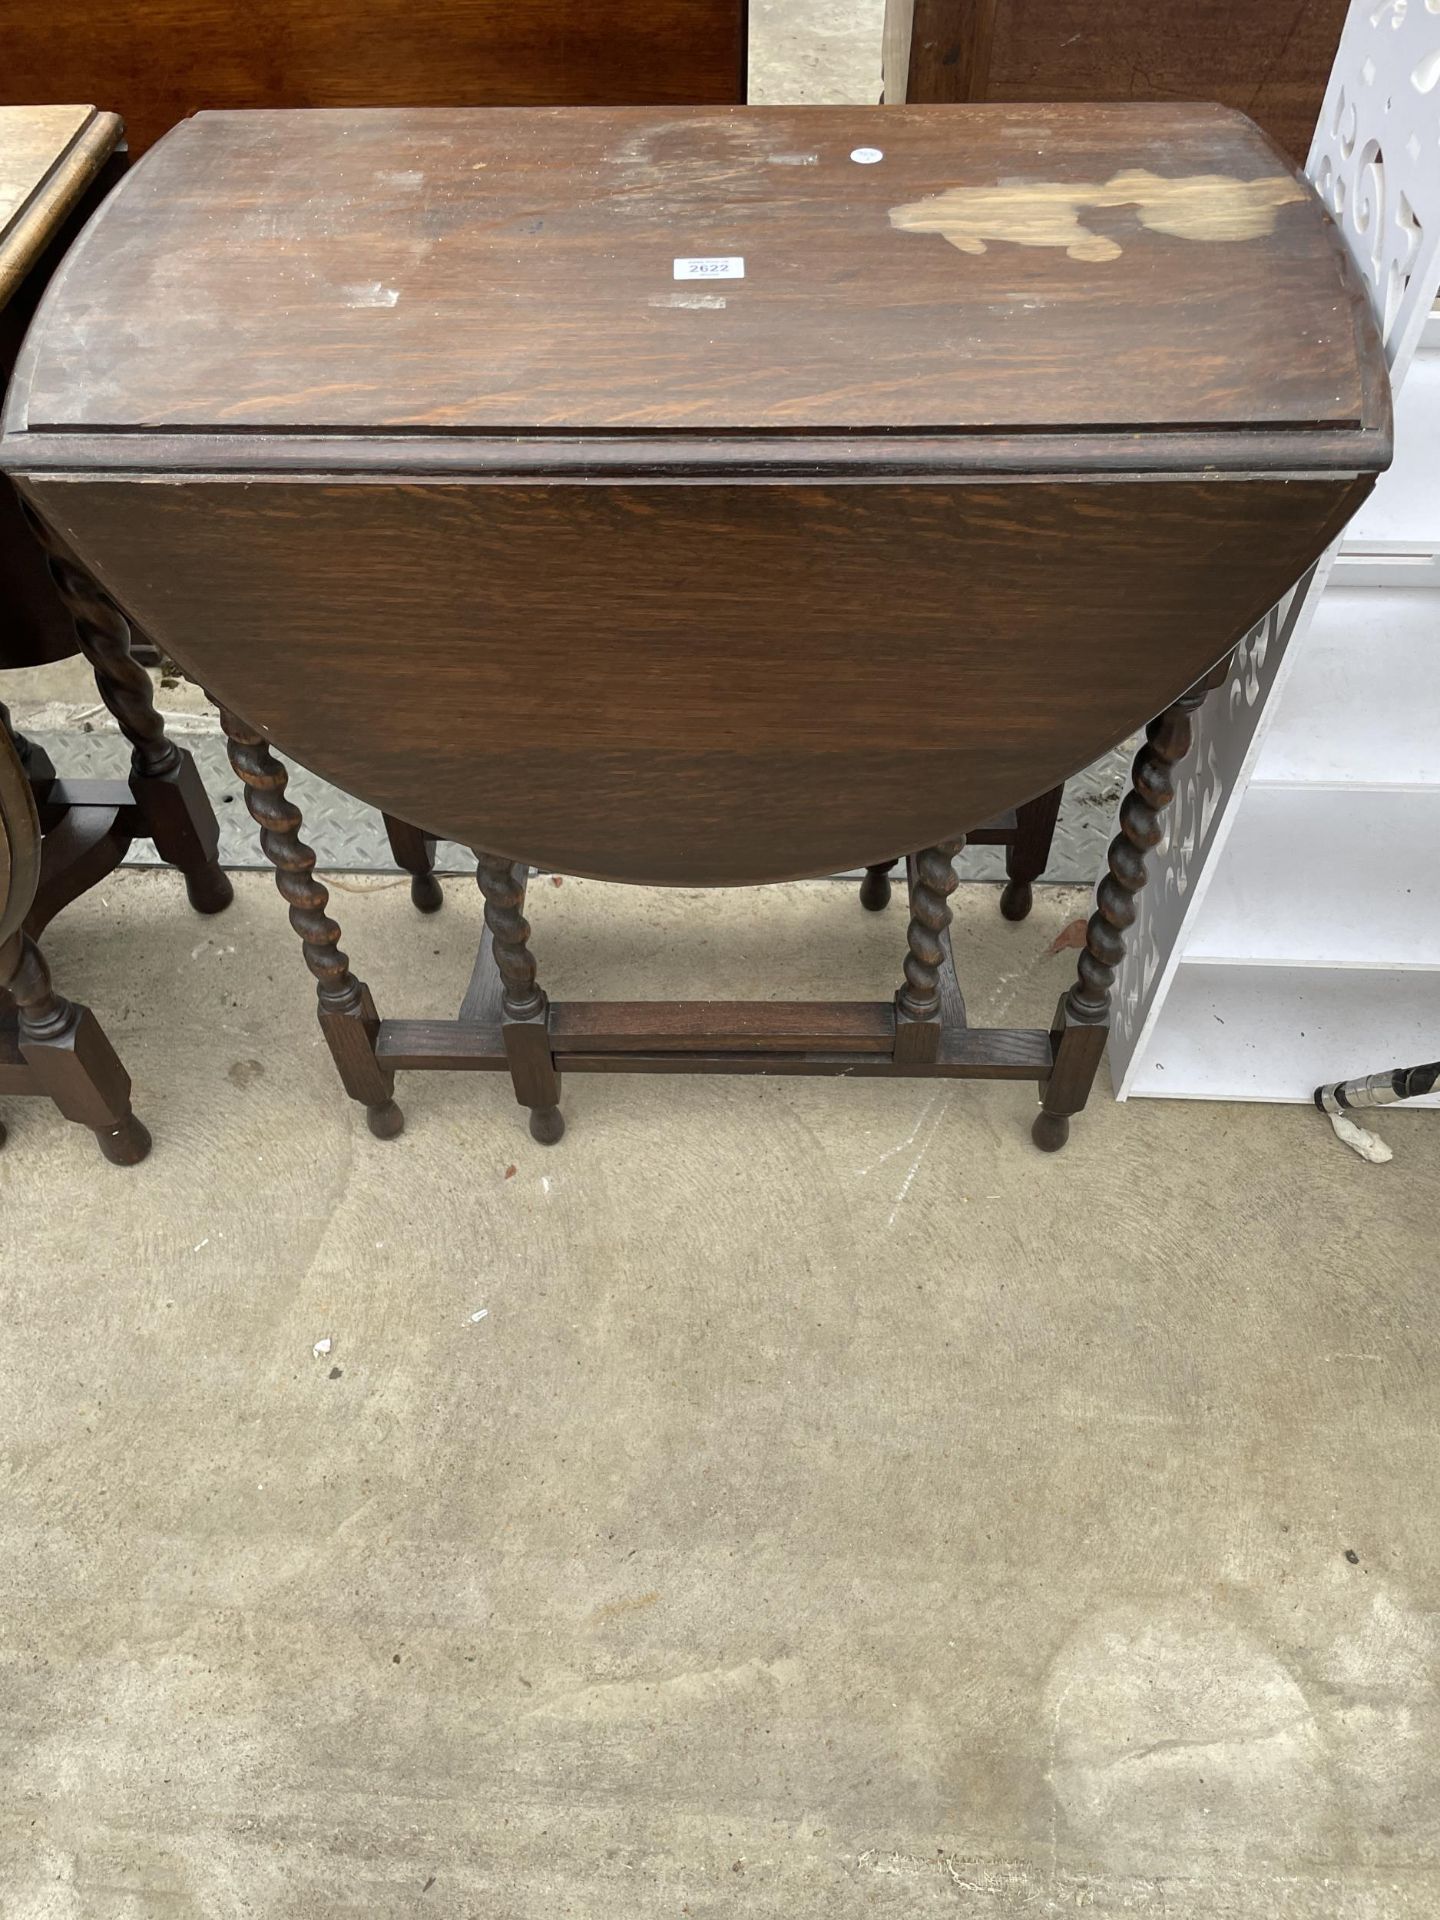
349, 837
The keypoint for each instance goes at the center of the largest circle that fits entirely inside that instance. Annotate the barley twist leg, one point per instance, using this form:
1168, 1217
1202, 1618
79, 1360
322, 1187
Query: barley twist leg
347, 1012
168, 790
524, 1007
1083, 1019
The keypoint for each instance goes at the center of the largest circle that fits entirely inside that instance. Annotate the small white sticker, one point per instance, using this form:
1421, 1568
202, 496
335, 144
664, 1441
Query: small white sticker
866, 156
715, 267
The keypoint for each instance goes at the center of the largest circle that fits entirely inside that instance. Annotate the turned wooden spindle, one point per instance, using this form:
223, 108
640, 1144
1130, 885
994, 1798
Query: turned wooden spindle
919, 998
167, 789
510, 932
1142, 826
347, 1013
1085, 1010
524, 1007
918, 1017
875, 887
1029, 851
414, 853
105, 639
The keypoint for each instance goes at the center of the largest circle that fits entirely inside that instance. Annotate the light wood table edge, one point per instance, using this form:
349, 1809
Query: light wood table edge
27, 235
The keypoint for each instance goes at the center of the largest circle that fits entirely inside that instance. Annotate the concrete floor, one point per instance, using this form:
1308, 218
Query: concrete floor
841, 1509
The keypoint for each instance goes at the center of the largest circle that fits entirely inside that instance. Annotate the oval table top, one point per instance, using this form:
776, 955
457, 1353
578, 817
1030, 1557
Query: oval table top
702, 497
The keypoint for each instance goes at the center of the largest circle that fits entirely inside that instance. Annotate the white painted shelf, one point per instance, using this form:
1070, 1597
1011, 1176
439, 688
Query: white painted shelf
1328, 878
1362, 704
1386, 569
1269, 1033
1289, 935
1402, 515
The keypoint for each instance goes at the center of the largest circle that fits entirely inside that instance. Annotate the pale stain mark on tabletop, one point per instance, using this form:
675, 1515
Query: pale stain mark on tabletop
1202, 206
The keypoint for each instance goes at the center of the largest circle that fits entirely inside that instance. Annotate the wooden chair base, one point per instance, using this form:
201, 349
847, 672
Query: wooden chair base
89, 826
54, 1047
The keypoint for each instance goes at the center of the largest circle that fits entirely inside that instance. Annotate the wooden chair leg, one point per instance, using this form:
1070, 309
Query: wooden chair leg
414, 853
347, 1013
1082, 1019
524, 1009
66, 1050
166, 785
1029, 852
875, 888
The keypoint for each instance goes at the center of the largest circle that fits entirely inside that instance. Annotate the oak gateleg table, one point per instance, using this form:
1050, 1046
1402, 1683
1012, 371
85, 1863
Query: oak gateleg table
702, 498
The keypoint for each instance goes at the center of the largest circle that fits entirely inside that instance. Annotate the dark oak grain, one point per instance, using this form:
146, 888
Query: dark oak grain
717, 683
1271, 62
509, 272
730, 1026
157, 61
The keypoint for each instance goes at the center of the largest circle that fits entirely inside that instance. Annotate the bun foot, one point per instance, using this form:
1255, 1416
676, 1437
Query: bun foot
547, 1124
1050, 1131
385, 1121
209, 890
426, 893
875, 889
125, 1145
1017, 899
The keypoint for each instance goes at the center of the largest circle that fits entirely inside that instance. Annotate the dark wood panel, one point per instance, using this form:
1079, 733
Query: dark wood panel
419, 1046
156, 61
697, 684
1000, 268
1270, 62
938, 50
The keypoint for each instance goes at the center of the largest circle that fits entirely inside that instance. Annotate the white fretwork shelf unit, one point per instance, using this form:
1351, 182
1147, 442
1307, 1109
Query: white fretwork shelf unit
1290, 931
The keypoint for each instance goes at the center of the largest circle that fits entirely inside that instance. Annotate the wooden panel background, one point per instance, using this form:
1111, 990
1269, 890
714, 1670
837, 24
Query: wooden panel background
155, 61
1270, 61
